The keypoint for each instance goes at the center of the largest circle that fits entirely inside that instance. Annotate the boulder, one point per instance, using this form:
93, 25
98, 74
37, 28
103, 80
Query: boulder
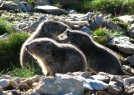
123, 44
60, 86
51, 10
126, 18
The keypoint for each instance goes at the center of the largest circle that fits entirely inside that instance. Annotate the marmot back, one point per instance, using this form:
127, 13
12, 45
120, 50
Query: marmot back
46, 29
99, 58
54, 57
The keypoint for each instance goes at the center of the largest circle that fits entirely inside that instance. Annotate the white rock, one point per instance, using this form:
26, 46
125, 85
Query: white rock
126, 18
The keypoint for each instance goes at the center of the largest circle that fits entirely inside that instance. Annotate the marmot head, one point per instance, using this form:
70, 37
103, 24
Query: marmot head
75, 37
40, 47
51, 28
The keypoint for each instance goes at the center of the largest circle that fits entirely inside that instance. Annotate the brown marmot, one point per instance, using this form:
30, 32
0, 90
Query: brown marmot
48, 29
54, 57
99, 57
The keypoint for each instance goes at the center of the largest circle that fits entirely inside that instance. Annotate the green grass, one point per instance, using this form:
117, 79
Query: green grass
25, 72
115, 7
5, 26
102, 35
10, 49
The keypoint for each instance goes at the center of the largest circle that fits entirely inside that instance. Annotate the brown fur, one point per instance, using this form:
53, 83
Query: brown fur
54, 57
99, 57
46, 29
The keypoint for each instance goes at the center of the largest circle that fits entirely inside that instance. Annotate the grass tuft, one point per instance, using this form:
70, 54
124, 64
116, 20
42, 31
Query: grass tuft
102, 35
10, 49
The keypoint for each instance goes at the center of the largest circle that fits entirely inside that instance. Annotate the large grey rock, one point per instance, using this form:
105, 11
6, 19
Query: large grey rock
60, 86
126, 18
9, 5
51, 10
130, 59
123, 44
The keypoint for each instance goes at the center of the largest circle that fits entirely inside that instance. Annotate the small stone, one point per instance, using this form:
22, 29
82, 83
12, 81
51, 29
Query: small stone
130, 59
4, 82
86, 30
131, 28
23, 87
85, 74
131, 34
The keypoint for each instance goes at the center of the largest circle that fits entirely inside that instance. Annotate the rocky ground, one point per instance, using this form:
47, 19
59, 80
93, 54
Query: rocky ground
78, 83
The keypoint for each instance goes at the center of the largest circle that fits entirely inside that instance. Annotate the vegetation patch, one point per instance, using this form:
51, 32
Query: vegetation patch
102, 35
10, 49
5, 26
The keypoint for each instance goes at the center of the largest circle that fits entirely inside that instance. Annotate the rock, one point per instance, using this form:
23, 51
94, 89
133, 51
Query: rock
96, 21
51, 10
131, 34
23, 87
22, 25
92, 84
9, 5
102, 93
131, 28
128, 69
4, 36
103, 78
130, 59
123, 44
129, 85
65, 2
114, 88
85, 74
111, 25
126, 18
87, 30
60, 86
4, 83
34, 26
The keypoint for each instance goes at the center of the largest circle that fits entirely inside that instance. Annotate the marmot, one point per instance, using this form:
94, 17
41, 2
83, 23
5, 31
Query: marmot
54, 57
99, 57
48, 29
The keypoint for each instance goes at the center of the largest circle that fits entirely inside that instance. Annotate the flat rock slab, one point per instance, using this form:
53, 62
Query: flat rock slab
51, 10
123, 44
